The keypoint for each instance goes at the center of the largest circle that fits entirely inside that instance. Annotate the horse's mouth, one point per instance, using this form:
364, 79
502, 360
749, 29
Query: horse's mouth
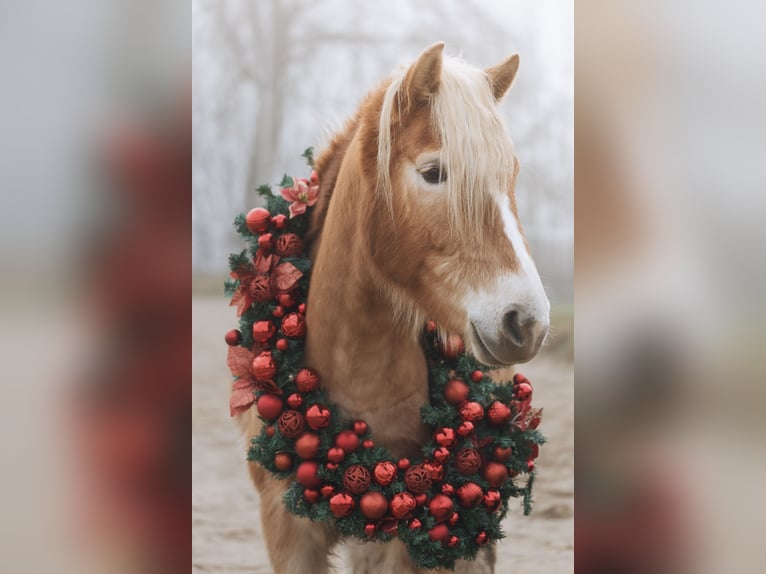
481, 350
513, 354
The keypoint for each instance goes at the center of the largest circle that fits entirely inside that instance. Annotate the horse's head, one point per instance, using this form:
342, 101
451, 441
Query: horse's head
446, 235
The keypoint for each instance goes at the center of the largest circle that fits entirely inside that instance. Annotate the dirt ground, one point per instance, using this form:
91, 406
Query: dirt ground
227, 533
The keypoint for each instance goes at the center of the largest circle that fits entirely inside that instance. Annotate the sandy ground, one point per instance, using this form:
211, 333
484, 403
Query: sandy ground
227, 533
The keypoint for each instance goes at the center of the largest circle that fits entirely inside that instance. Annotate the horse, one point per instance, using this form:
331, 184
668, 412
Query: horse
416, 221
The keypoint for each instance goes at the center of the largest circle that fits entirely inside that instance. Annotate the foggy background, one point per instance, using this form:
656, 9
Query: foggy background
271, 78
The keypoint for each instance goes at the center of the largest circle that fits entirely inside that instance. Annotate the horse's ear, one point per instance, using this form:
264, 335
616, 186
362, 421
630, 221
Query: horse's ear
424, 76
501, 76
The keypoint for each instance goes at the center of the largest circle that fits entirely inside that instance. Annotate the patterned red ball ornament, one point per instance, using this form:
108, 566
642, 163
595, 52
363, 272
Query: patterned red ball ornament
373, 505
233, 337
402, 504
384, 473
318, 416
495, 474
356, 479
341, 504
294, 326
269, 407
291, 424
289, 245
445, 437
472, 411
306, 475
456, 391
417, 479
440, 507
263, 331
264, 367
347, 440
307, 445
468, 461
499, 413
260, 289
470, 495
258, 220
307, 380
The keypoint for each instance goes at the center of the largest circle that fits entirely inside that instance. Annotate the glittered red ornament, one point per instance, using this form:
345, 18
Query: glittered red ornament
472, 411
294, 325
369, 529
360, 427
384, 473
266, 242
440, 507
456, 391
260, 289
327, 490
264, 367
306, 475
263, 331
347, 440
448, 489
468, 461
435, 469
286, 300
492, 500
402, 504
452, 346
502, 454
368, 443
481, 538
233, 337
441, 454
439, 533
307, 380
258, 220
477, 376
469, 495
356, 479
310, 495
282, 345
341, 504
498, 413
445, 437
279, 221
269, 407
415, 524
373, 505
465, 428
522, 391
307, 445
291, 423
289, 245
417, 479
283, 461
495, 474
403, 464
295, 401
318, 417
278, 312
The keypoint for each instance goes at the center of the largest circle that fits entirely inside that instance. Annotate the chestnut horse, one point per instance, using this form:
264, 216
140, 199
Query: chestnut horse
416, 220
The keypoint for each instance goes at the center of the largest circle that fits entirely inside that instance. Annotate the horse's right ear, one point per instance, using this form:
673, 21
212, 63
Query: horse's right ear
424, 76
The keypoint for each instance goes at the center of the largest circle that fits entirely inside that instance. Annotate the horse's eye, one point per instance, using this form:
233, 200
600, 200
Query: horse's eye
434, 175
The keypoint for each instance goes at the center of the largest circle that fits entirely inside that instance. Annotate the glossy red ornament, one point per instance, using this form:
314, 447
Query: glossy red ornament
327, 490
279, 221
481, 538
331, 466
495, 474
278, 312
468, 461
310, 495
264, 367
360, 427
307, 445
270, 431
417, 479
263, 331
373, 505
291, 423
368, 443
283, 461
453, 519
445, 437
470, 495
472, 411
440, 507
282, 345
302, 308
336, 455
522, 391
233, 337
456, 391
318, 416
347, 440
286, 300
453, 541
289, 245
258, 220
502, 454
295, 401
439, 533
421, 498
341, 504
306, 475
465, 428
269, 407
266, 242
492, 500
498, 413
415, 524
452, 346
402, 504
294, 325
384, 473
477, 376
260, 289
441, 454
369, 529
403, 464
356, 479
307, 380
448, 489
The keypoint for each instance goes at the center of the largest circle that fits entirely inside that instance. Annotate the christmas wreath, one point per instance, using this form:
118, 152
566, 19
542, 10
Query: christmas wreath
444, 507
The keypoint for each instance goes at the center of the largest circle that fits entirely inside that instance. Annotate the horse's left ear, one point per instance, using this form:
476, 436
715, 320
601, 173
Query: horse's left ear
423, 78
501, 76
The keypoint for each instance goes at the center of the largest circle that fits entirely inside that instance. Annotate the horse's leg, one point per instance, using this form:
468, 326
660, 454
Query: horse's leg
296, 545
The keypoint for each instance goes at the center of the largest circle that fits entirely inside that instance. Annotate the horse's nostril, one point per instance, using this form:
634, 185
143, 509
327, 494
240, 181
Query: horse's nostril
512, 328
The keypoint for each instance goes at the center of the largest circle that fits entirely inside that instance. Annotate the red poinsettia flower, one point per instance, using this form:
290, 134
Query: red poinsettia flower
242, 297
240, 361
301, 195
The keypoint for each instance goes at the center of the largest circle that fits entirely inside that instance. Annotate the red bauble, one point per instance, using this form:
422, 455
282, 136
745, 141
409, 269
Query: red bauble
347, 440
452, 346
472, 411
266, 242
384, 473
454, 518
445, 437
270, 431
286, 300
278, 312
289, 245
453, 541
295, 401
360, 427
279, 221
470, 495
465, 428
314, 177
307, 445
336, 455
282, 345
310, 495
291, 424
402, 504
264, 367
341, 504
403, 464
263, 331
448, 489
258, 220
260, 289
306, 475
283, 461
307, 380
415, 524
468, 461
522, 391
481, 538
435, 469
431, 326
302, 308
534, 451
496, 474
269, 406
327, 490
233, 337
492, 500
440, 507
498, 413
369, 529
318, 416
368, 443
456, 391
441, 454
331, 466
417, 479
390, 526
502, 454
477, 376
294, 325
439, 533
421, 498
534, 422
356, 479
373, 505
